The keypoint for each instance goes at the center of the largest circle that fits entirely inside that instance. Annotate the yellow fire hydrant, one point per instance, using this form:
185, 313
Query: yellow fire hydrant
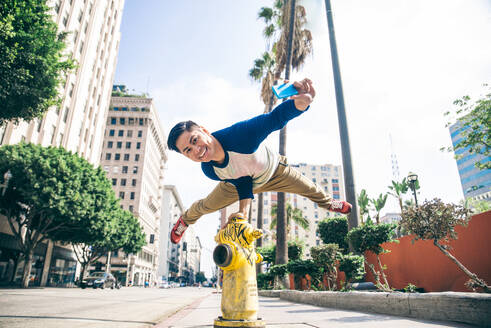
236, 256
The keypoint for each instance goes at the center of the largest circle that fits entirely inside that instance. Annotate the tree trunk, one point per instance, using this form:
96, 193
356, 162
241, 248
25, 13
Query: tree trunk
82, 271
259, 242
479, 282
349, 180
382, 272
27, 268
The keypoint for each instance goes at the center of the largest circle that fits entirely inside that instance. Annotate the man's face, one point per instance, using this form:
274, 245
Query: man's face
197, 145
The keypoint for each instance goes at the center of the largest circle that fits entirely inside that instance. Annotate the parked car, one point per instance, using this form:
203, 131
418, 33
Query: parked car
99, 280
164, 284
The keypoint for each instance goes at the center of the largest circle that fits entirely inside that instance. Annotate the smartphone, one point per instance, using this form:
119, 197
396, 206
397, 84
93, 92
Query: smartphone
284, 90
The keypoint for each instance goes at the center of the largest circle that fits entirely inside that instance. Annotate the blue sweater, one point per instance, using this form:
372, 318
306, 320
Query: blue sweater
248, 164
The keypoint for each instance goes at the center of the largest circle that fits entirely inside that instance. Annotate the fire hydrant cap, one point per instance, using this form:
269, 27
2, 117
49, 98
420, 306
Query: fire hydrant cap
222, 255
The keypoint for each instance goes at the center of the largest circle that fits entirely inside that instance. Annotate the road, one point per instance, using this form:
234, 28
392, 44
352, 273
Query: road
72, 307
185, 307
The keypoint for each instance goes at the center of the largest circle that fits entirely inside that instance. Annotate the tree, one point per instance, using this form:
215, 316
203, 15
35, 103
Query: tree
379, 204
326, 256
32, 60
292, 214
397, 189
435, 220
291, 50
370, 237
51, 194
363, 201
124, 232
474, 123
334, 231
352, 266
200, 277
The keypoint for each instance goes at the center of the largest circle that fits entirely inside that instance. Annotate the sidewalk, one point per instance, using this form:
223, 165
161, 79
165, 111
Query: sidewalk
283, 314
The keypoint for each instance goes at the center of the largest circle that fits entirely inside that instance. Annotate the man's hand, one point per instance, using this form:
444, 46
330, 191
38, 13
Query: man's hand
244, 206
306, 94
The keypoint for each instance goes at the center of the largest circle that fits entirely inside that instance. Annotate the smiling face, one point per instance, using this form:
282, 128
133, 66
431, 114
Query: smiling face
199, 146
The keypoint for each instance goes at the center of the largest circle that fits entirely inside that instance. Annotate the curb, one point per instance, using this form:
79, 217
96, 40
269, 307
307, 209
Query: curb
469, 308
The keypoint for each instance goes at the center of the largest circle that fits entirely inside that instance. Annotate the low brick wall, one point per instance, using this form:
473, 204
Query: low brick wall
468, 308
424, 265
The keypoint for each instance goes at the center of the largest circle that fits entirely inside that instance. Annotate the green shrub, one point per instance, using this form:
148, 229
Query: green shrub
334, 231
370, 237
300, 268
265, 280
326, 256
352, 266
295, 251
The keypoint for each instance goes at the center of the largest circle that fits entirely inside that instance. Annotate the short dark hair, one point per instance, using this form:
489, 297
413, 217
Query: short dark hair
176, 132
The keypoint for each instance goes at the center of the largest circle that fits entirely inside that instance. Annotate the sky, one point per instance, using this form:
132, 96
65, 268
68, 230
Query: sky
402, 62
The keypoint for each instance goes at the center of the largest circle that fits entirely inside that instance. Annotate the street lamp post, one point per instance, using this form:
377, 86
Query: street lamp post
412, 178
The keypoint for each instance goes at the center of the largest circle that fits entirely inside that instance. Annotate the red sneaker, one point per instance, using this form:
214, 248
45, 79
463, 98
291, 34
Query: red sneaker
340, 206
178, 231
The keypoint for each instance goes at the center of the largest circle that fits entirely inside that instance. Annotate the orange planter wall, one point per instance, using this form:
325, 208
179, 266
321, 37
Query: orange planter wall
424, 265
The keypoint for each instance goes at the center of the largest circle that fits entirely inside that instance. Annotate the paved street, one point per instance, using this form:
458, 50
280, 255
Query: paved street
71, 307
179, 307
282, 314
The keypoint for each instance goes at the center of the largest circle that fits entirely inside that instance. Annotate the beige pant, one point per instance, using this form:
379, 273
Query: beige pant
285, 179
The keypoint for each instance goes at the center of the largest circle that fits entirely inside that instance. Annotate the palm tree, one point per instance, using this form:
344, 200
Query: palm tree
292, 214
363, 202
264, 71
398, 189
291, 50
379, 204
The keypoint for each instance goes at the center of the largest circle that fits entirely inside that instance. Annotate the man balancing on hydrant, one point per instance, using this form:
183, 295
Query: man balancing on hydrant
236, 157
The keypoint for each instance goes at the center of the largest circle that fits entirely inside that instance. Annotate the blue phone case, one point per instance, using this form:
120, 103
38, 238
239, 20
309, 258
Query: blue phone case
284, 90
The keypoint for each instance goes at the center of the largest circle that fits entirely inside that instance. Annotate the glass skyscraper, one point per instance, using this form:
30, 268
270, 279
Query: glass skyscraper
476, 183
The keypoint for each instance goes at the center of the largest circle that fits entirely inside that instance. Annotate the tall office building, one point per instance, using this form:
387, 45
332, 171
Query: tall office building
327, 176
475, 183
134, 156
78, 123
172, 209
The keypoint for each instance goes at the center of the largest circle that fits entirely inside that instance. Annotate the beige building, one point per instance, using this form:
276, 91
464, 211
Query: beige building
328, 176
78, 123
172, 209
134, 156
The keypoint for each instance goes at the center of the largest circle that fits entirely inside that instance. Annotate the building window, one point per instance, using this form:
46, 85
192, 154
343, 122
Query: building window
119, 144
111, 133
137, 157
336, 196
117, 157
113, 120
108, 156
129, 133
120, 133
121, 194
138, 145
130, 208
135, 169
126, 157
131, 121
125, 169
133, 182
140, 133
141, 121
132, 195
122, 120
109, 144
128, 145
335, 181
123, 182
115, 181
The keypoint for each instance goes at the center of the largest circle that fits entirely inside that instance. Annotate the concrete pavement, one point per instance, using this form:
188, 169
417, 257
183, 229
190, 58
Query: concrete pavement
284, 314
129, 307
